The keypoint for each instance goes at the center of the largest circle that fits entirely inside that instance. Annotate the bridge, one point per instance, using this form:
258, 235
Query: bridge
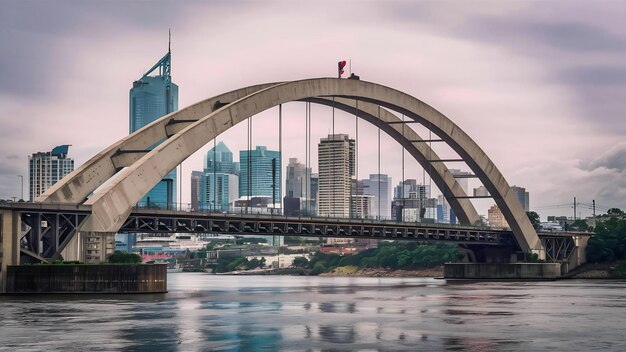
98, 199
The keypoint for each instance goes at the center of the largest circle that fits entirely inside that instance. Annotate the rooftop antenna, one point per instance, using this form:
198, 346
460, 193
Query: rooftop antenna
169, 41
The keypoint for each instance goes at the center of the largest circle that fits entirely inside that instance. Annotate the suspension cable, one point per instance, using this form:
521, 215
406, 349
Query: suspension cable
280, 158
214, 174
379, 200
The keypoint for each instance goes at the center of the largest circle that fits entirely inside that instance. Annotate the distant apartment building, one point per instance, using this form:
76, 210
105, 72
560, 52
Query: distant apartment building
362, 206
336, 167
496, 218
481, 191
461, 178
47, 168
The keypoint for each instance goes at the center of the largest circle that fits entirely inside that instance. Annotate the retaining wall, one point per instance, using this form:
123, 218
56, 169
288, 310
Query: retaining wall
502, 271
99, 278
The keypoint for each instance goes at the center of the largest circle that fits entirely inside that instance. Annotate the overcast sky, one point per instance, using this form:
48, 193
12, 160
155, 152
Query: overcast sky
540, 86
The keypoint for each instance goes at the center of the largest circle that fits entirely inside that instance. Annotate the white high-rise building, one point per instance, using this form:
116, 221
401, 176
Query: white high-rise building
336, 167
461, 178
47, 168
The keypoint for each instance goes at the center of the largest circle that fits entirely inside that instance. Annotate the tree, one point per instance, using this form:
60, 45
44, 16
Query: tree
609, 242
124, 258
580, 224
318, 268
300, 262
615, 211
534, 219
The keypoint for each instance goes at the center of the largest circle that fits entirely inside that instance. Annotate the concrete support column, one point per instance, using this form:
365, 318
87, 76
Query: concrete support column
9, 243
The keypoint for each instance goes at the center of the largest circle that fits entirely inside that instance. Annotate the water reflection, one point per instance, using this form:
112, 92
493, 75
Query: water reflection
206, 313
337, 334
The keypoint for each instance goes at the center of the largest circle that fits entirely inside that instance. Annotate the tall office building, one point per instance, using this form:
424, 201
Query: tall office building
196, 176
218, 191
409, 203
256, 170
314, 189
379, 186
522, 196
153, 96
219, 159
47, 168
218, 185
297, 189
336, 167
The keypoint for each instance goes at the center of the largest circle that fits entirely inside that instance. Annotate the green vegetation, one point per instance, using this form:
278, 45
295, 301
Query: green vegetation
609, 242
124, 258
580, 225
534, 219
390, 255
240, 263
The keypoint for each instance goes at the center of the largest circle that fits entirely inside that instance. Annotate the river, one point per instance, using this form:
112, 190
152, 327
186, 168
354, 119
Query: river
205, 312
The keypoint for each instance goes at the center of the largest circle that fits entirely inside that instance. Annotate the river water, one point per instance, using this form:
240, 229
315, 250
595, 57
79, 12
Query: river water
205, 312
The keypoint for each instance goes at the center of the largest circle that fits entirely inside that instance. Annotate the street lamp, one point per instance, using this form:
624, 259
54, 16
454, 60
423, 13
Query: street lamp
22, 188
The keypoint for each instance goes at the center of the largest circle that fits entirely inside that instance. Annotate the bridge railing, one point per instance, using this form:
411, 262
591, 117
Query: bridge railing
277, 213
257, 212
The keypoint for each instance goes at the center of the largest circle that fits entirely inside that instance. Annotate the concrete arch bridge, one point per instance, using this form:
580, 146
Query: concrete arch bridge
99, 196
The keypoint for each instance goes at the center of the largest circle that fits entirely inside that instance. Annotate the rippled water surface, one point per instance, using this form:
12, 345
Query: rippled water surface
205, 312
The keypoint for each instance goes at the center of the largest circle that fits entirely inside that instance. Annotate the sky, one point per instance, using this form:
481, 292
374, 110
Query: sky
539, 86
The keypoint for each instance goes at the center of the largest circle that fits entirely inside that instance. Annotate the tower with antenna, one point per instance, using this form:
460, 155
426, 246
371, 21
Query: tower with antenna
152, 96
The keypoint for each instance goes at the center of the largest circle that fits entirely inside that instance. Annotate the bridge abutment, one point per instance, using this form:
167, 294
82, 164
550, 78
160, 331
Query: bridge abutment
9, 243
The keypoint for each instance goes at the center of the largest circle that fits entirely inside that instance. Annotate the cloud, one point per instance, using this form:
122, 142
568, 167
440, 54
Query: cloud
612, 159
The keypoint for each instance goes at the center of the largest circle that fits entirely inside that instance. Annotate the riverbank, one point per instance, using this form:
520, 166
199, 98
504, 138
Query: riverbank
613, 270
380, 272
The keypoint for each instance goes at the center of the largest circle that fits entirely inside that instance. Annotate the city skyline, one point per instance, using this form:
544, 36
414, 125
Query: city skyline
505, 95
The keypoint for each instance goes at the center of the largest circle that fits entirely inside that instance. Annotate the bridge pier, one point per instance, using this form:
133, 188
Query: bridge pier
10, 223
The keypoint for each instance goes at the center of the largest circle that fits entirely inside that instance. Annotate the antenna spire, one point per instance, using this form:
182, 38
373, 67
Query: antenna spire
169, 41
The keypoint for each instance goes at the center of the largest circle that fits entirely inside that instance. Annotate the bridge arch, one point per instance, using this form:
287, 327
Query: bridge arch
112, 204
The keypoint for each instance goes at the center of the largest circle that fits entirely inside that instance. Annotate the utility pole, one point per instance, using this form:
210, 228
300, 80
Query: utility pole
593, 202
574, 208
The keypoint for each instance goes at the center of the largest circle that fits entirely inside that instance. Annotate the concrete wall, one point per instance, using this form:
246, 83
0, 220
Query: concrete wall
105, 278
502, 271
9, 243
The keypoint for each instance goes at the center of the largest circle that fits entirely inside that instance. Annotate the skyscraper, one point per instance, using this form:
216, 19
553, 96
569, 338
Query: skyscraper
379, 186
196, 176
256, 170
336, 167
522, 196
461, 178
47, 168
218, 185
297, 188
151, 97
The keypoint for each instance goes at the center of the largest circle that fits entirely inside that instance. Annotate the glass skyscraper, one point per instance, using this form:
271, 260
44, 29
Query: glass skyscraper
256, 169
47, 168
219, 186
153, 96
